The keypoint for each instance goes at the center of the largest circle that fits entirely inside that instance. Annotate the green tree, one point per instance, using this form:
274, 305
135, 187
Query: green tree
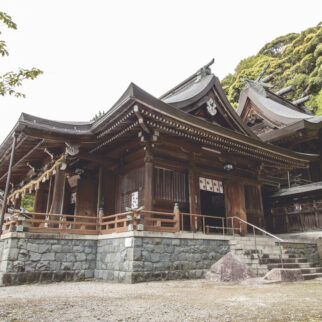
27, 202
11, 80
295, 59
97, 116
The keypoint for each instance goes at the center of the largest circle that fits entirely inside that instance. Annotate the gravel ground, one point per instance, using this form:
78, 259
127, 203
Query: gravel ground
189, 300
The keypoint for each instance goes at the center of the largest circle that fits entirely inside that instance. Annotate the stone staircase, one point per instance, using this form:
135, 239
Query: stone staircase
267, 255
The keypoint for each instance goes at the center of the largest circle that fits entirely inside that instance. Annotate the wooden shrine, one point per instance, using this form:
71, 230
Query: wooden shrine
183, 162
293, 200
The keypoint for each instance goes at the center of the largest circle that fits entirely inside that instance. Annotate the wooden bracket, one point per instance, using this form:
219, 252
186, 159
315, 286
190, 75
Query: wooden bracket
140, 119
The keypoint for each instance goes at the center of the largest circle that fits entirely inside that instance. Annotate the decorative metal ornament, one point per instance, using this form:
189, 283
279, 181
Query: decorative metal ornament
72, 149
211, 107
228, 167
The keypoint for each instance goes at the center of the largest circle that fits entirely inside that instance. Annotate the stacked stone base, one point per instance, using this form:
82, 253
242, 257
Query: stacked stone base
146, 256
129, 257
33, 258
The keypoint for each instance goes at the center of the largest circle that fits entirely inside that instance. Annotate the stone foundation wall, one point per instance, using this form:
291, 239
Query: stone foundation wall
140, 259
306, 250
29, 260
128, 257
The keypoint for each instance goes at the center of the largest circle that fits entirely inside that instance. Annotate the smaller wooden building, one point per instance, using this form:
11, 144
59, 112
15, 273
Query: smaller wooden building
295, 203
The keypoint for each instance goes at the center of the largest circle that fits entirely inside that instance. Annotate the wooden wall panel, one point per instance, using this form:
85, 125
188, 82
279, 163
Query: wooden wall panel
254, 205
108, 192
235, 203
133, 180
41, 195
86, 201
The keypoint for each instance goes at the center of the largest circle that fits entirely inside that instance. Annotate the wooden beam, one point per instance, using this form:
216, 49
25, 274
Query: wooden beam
23, 158
140, 119
100, 160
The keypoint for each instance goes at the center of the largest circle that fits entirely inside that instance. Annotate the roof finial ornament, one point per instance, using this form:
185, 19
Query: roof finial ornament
205, 70
258, 84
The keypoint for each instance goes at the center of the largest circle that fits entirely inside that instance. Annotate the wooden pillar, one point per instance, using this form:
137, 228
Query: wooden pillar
49, 195
40, 202
235, 204
99, 189
6, 191
17, 203
195, 222
58, 192
148, 179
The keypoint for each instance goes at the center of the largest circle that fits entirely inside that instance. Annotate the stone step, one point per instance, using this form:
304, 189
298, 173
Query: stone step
276, 260
311, 276
290, 265
311, 270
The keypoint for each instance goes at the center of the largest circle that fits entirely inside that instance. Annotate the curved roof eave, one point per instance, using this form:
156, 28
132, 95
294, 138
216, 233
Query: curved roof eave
191, 93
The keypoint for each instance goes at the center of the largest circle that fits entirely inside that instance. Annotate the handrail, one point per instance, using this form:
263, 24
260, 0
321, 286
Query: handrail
256, 227
261, 230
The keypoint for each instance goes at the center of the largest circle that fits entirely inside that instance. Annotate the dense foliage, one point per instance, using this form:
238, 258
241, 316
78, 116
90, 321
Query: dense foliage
11, 80
295, 59
27, 202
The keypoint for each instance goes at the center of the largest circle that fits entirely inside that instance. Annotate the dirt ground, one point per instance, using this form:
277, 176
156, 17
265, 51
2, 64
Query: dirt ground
189, 300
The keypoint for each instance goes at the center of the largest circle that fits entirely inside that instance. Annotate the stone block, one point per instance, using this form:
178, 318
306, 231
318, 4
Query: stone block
78, 249
32, 247
80, 257
43, 266
155, 257
68, 266
54, 266
69, 257
284, 275
35, 257
89, 250
13, 254
48, 256
67, 248
57, 248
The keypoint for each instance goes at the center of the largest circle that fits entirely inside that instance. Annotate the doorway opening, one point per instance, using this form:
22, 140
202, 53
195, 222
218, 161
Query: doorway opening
213, 204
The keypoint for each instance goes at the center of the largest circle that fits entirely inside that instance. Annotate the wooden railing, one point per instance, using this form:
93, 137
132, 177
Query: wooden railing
51, 223
137, 219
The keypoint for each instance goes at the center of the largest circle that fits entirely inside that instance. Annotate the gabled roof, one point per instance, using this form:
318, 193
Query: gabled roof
274, 110
38, 133
185, 95
283, 117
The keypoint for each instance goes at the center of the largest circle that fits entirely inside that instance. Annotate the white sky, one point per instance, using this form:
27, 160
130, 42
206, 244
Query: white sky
91, 50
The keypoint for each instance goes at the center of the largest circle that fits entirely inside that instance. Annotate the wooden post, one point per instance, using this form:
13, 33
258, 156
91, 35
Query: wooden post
148, 182
193, 199
17, 204
148, 178
4, 204
176, 213
49, 195
99, 189
40, 202
58, 195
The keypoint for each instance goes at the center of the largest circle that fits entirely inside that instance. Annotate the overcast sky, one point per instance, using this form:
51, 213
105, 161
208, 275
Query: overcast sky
91, 50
